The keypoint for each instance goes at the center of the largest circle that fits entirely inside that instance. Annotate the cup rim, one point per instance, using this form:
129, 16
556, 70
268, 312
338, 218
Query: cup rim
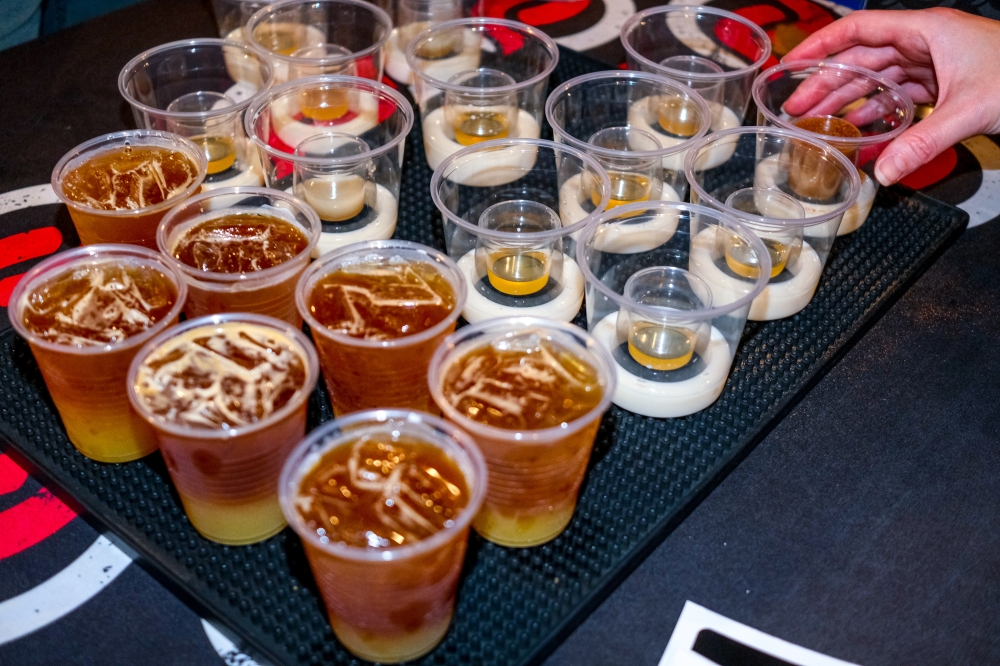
653, 311
160, 139
374, 87
638, 17
210, 277
818, 65
501, 326
299, 338
514, 236
261, 14
564, 88
464, 443
184, 45
434, 255
67, 258
846, 165
523, 28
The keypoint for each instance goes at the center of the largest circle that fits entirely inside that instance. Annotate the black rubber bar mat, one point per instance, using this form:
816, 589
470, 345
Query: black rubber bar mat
514, 606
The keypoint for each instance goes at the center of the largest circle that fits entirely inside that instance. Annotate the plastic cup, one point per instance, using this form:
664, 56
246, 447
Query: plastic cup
87, 382
669, 112
370, 373
655, 304
135, 226
283, 29
511, 210
513, 61
227, 477
793, 190
411, 18
231, 16
199, 89
853, 109
683, 43
391, 604
356, 133
268, 292
535, 475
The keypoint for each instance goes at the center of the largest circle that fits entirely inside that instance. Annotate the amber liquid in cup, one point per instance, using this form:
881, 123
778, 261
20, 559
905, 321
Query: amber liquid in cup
126, 178
527, 383
97, 304
810, 173
217, 377
380, 301
241, 243
381, 492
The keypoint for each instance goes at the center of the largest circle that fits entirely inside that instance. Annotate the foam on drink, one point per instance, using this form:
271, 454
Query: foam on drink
98, 303
221, 376
238, 242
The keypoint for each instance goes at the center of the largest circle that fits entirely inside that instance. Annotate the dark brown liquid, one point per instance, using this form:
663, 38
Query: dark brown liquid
382, 301
98, 303
240, 243
531, 384
382, 492
130, 178
810, 173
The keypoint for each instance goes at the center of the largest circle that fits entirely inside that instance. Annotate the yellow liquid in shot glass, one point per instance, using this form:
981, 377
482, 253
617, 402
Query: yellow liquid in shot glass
678, 117
324, 105
219, 151
518, 273
475, 127
626, 188
661, 347
281, 39
741, 260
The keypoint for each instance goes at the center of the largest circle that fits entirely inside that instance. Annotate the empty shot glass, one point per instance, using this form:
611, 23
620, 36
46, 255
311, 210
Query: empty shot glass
855, 110
531, 392
382, 501
227, 397
240, 249
85, 313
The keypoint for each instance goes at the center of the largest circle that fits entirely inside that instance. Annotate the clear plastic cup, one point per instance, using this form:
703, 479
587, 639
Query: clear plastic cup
715, 52
199, 89
456, 112
283, 29
87, 381
411, 18
231, 16
853, 109
511, 210
348, 111
792, 190
268, 292
657, 304
366, 372
135, 226
535, 474
227, 476
673, 114
387, 604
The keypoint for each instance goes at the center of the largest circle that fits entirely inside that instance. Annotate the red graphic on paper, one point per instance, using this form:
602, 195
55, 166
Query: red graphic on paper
7, 288
23, 247
32, 521
11, 475
933, 171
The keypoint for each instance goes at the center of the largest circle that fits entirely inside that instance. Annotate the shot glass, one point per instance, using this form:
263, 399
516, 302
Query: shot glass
377, 311
199, 89
653, 305
85, 364
320, 59
468, 97
413, 17
511, 210
853, 109
531, 392
386, 602
715, 52
227, 397
283, 29
338, 141
240, 249
793, 190
231, 16
673, 114
104, 214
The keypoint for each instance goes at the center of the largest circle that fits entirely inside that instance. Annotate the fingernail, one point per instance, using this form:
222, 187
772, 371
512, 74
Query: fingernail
885, 179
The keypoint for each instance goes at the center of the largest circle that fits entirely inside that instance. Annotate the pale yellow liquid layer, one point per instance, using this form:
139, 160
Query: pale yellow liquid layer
235, 523
282, 39
739, 258
626, 188
518, 274
324, 105
390, 648
336, 198
523, 530
107, 435
219, 151
678, 117
661, 347
475, 127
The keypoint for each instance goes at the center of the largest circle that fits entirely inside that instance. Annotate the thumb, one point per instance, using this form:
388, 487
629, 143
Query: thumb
924, 141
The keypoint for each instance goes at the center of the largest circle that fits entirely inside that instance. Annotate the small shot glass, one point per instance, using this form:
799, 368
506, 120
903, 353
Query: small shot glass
633, 172
474, 112
517, 268
855, 110
412, 18
240, 249
337, 191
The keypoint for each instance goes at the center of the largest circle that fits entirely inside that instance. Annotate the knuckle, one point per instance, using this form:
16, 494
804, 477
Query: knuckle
923, 147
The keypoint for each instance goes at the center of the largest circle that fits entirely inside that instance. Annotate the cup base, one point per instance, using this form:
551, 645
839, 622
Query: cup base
118, 439
523, 531
235, 524
391, 648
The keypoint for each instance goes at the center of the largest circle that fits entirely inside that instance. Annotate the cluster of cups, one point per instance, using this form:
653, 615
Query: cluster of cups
287, 113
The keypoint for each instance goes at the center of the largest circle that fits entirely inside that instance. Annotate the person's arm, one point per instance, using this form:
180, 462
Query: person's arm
940, 56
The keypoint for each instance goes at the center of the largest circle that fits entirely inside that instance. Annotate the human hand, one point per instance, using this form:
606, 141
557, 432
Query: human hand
940, 56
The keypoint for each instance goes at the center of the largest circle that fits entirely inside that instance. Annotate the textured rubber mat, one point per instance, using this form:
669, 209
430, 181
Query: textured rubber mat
514, 605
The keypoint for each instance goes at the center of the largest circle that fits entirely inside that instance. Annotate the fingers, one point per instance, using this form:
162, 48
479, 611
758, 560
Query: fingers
874, 28
926, 140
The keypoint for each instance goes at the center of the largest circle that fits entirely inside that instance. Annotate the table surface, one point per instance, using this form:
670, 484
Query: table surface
865, 526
